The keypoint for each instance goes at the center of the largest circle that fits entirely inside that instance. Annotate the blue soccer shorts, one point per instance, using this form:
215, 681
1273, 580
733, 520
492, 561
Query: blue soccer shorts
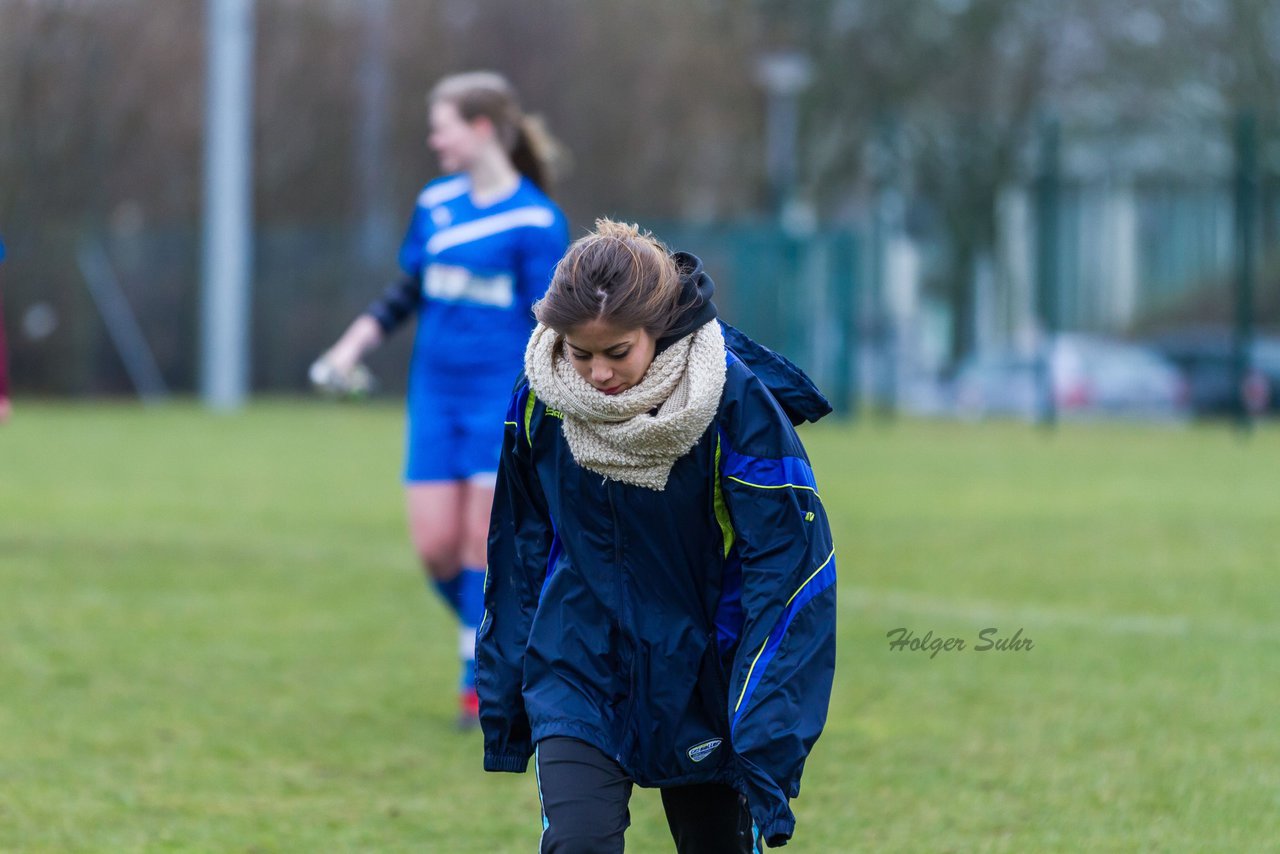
450, 438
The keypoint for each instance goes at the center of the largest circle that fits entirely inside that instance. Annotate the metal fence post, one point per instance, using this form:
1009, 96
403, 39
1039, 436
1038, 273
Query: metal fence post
845, 278
1047, 193
228, 205
1246, 190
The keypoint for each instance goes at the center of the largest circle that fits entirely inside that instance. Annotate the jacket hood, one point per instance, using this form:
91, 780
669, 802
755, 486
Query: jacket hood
696, 307
798, 396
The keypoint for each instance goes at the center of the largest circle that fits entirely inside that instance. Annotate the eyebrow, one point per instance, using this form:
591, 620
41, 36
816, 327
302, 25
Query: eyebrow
608, 349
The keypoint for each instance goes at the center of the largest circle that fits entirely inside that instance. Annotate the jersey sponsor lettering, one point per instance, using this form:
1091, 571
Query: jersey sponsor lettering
458, 284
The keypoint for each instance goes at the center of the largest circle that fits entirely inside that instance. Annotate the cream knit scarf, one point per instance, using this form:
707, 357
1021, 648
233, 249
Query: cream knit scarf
615, 435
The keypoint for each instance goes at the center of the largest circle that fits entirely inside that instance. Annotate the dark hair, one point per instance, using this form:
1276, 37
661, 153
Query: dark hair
487, 94
617, 273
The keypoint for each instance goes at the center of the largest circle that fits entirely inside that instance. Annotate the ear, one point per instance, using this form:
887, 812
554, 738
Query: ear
484, 125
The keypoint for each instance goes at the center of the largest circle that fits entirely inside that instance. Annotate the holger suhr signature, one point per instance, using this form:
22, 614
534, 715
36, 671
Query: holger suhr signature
905, 640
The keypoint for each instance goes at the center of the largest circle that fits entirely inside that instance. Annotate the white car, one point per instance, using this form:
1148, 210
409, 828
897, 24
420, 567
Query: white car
1092, 377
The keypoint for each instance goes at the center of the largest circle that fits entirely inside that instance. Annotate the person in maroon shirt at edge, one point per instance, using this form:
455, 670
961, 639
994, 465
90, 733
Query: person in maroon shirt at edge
6, 408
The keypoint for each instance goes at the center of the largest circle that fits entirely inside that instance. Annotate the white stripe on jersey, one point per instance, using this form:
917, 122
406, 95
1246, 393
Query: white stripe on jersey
478, 229
440, 193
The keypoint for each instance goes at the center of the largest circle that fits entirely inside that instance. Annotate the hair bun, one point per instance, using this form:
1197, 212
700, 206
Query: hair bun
606, 227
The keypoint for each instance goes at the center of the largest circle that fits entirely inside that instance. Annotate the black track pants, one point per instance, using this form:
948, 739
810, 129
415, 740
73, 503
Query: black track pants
584, 806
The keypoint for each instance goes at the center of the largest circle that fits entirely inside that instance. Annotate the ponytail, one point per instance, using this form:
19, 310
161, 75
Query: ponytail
538, 155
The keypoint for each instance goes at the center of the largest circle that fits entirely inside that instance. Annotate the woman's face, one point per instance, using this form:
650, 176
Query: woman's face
456, 141
611, 359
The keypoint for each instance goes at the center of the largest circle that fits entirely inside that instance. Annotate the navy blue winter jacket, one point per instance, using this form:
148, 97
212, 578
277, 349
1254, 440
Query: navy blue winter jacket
689, 633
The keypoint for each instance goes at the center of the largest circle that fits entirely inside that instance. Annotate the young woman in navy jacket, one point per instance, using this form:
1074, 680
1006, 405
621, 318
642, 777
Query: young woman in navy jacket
660, 596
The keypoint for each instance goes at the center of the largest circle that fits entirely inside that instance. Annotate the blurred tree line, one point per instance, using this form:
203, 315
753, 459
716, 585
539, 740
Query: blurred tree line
943, 102
659, 103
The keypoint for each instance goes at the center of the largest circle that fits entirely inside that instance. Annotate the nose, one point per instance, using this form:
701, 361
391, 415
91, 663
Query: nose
601, 373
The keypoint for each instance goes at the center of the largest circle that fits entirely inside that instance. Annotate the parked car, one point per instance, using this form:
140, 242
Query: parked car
1206, 357
1091, 377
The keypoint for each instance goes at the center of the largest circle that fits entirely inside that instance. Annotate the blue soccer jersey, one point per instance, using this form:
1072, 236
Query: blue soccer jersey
479, 271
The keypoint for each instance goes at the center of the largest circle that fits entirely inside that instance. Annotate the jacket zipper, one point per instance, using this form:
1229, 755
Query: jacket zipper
622, 607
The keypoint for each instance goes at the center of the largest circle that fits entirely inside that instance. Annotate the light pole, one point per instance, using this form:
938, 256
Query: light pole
783, 75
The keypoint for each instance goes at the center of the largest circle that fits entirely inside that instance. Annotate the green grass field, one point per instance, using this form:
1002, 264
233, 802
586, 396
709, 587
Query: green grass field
213, 637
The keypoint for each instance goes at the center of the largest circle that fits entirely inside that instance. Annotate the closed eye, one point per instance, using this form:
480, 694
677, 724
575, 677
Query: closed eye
582, 356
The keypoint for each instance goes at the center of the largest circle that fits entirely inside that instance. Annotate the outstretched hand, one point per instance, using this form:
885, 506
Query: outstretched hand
330, 377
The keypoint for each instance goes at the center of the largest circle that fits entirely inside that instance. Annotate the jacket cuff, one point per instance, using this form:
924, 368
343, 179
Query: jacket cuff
778, 832
515, 763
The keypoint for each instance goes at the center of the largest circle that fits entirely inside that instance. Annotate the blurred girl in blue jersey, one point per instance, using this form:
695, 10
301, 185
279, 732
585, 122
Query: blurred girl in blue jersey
661, 591
480, 249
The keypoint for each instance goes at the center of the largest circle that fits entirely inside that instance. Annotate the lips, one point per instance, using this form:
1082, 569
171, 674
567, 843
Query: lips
611, 390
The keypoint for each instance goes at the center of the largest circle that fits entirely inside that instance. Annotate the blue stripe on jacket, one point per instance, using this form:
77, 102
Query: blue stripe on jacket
767, 473
815, 584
